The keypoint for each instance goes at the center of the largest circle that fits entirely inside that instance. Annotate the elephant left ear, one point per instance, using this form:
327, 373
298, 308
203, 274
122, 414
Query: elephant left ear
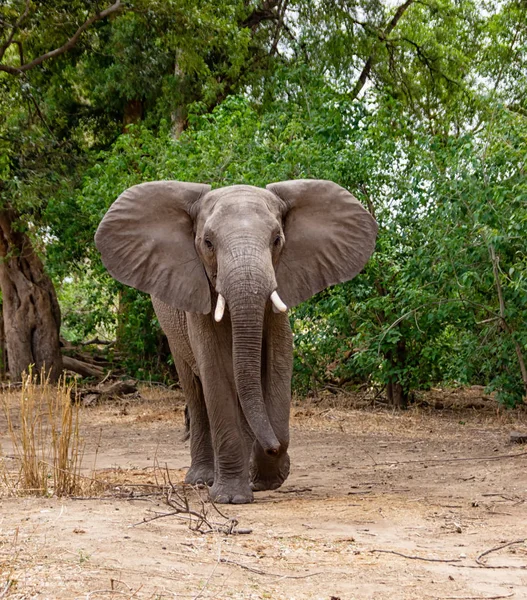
329, 237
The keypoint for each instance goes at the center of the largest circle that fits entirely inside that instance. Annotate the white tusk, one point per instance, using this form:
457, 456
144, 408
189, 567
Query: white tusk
220, 309
277, 301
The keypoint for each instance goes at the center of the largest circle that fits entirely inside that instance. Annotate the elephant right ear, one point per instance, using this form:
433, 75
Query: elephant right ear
146, 240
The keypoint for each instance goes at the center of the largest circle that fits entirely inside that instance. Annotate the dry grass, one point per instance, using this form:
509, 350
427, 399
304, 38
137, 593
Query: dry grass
441, 408
47, 449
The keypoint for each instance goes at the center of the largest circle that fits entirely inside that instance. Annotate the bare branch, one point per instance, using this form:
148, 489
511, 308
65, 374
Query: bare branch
396, 17
27, 89
361, 82
363, 77
64, 48
20, 51
19, 22
412, 557
265, 12
279, 26
496, 548
428, 61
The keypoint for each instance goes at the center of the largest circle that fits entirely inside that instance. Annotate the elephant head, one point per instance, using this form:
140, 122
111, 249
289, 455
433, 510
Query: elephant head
239, 246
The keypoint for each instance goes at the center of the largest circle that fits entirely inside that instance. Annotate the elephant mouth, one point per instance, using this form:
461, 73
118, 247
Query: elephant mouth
274, 297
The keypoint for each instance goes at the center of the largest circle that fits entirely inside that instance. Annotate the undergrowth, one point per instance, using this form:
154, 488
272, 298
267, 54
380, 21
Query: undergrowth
47, 449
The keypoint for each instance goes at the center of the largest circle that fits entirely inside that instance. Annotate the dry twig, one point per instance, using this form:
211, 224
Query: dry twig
198, 519
495, 549
475, 597
3, 593
112, 591
455, 459
441, 560
260, 572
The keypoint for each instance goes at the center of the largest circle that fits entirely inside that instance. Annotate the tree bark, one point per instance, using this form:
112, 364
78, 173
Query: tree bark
133, 113
397, 395
53, 53
31, 312
82, 368
3, 350
383, 35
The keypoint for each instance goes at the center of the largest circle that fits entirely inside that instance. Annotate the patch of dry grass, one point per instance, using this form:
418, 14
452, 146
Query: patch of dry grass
46, 447
437, 412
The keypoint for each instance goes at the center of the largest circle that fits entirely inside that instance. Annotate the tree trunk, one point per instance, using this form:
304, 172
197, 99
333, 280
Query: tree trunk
31, 312
133, 113
397, 395
3, 350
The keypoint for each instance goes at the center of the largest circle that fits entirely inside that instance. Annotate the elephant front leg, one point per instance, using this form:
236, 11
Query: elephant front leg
212, 346
229, 441
231, 454
269, 472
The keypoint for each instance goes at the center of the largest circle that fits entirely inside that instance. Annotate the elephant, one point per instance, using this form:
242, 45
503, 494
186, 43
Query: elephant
222, 267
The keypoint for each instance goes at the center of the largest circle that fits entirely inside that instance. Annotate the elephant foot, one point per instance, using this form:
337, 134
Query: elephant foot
268, 474
203, 475
231, 492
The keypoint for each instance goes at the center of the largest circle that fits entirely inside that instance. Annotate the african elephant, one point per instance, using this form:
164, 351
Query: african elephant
247, 253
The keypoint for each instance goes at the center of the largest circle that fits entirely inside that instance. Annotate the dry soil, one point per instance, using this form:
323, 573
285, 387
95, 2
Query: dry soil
379, 505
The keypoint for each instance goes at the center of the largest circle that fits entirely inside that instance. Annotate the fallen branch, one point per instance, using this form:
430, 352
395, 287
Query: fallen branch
517, 437
295, 490
198, 519
448, 460
495, 549
410, 556
105, 391
260, 572
474, 597
97, 342
82, 368
522, 568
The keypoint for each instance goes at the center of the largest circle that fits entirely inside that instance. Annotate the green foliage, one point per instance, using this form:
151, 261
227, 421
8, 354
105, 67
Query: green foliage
88, 307
434, 145
417, 305
140, 342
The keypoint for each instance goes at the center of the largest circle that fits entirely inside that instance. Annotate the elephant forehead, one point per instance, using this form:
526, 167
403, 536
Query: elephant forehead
240, 201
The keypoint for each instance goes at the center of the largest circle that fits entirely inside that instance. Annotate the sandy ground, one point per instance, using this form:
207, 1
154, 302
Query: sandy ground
379, 505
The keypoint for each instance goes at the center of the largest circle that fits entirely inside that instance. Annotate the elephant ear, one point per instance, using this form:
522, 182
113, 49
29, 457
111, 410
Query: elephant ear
146, 240
329, 237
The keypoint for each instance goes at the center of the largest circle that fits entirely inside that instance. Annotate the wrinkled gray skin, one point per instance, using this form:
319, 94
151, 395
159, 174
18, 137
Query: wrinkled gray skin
185, 244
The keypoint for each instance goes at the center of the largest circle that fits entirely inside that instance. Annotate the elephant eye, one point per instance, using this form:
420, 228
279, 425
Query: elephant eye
209, 244
277, 241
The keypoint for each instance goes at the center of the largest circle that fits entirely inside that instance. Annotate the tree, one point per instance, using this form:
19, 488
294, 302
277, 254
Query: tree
76, 81
30, 308
417, 107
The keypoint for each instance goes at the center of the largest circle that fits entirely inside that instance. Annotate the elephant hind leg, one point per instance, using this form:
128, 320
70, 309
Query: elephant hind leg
197, 424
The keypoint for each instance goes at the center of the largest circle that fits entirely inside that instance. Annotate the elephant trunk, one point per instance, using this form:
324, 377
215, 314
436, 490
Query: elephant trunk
247, 298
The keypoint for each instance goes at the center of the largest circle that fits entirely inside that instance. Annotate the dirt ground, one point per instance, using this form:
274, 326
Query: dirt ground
379, 505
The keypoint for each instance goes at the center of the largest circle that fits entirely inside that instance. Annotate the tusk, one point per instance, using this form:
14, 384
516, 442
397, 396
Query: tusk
220, 309
277, 301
